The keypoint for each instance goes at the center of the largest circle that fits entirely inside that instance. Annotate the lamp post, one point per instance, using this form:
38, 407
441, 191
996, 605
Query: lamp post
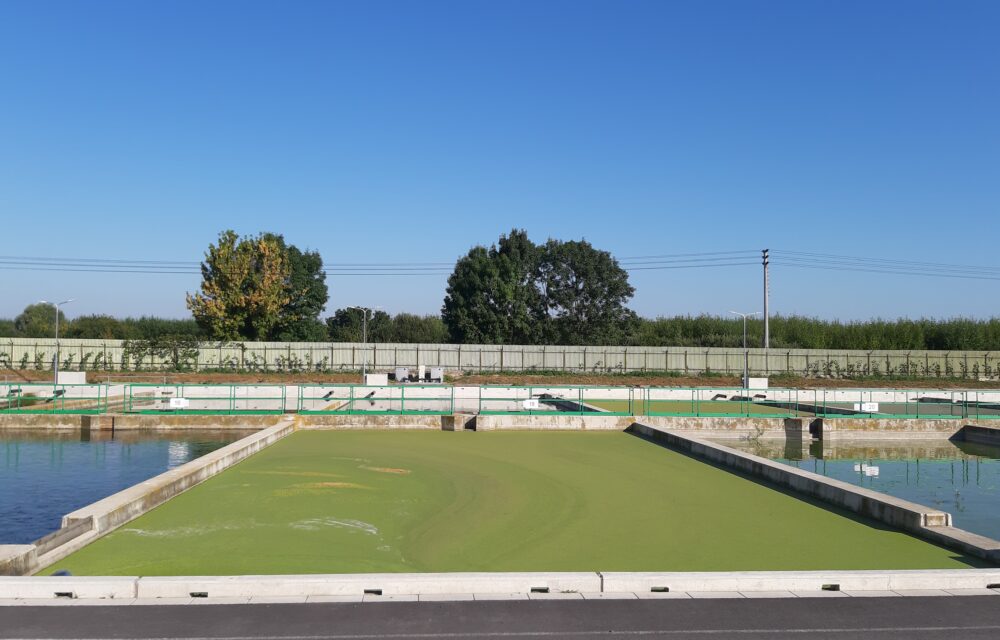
55, 364
364, 338
746, 353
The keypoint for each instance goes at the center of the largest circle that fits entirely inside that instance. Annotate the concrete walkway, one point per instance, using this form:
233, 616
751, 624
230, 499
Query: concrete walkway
831, 617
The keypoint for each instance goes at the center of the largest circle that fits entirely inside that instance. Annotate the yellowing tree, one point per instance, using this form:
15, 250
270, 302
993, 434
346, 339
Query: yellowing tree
244, 287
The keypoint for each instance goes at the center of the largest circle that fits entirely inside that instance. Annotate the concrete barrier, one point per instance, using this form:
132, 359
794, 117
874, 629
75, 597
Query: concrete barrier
359, 584
68, 587
802, 580
17, 559
183, 588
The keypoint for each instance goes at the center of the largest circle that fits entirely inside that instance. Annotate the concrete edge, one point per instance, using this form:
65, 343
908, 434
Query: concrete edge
925, 522
464, 585
85, 525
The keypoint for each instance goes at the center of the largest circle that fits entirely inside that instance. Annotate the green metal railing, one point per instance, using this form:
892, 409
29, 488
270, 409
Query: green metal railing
346, 399
405, 399
204, 399
39, 397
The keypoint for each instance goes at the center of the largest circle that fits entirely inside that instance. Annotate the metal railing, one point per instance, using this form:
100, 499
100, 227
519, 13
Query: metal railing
415, 399
39, 397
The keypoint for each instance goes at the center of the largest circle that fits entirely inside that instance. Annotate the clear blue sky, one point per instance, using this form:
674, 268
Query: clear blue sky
410, 131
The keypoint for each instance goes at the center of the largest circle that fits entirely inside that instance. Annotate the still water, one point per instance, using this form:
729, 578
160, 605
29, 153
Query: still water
45, 475
961, 478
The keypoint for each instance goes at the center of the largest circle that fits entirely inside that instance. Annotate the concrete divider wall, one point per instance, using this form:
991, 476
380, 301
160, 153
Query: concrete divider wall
552, 422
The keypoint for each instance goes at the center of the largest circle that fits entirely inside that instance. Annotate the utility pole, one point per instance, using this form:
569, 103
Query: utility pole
767, 291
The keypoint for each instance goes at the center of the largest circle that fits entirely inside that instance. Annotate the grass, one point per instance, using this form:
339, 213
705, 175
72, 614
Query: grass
345, 502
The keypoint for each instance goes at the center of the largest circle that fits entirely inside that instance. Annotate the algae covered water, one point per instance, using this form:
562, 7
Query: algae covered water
360, 501
47, 474
961, 478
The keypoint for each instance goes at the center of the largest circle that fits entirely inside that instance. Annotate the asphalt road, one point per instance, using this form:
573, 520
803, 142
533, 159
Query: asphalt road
966, 617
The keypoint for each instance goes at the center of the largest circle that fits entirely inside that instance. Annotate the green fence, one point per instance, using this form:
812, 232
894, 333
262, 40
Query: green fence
34, 397
346, 399
204, 399
404, 399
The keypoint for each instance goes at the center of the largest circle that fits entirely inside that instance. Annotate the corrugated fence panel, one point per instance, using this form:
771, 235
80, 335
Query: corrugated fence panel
99, 355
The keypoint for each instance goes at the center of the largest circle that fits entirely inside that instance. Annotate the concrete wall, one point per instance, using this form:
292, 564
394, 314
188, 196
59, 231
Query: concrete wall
886, 427
276, 356
923, 521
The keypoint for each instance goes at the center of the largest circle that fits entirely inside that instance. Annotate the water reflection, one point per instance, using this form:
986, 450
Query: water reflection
47, 474
959, 477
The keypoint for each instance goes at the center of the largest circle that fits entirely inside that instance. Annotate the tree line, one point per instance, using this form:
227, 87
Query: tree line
260, 288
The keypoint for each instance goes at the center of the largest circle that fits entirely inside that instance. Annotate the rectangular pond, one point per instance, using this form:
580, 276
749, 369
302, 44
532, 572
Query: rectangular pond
367, 501
961, 478
47, 474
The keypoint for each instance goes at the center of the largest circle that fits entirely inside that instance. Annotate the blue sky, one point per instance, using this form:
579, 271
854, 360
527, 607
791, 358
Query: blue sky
379, 132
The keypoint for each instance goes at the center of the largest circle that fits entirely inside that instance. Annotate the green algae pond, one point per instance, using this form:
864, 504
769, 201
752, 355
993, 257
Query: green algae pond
404, 501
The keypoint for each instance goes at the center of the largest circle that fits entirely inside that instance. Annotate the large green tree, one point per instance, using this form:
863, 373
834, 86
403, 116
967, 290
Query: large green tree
308, 295
584, 292
38, 321
492, 297
244, 287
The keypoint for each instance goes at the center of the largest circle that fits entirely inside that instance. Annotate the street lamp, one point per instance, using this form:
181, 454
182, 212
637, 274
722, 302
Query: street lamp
746, 353
364, 337
55, 365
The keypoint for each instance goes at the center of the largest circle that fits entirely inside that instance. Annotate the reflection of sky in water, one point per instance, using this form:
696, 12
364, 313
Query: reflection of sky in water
960, 478
44, 476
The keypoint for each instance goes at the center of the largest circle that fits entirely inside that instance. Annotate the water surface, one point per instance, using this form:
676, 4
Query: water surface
47, 474
961, 478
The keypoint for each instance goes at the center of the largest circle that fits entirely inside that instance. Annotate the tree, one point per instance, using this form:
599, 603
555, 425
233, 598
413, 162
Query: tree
492, 297
346, 325
410, 328
7, 328
96, 326
584, 292
38, 321
308, 295
244, 287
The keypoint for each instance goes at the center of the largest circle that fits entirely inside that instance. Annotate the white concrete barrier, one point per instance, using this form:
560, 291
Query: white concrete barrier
68, 587
372, 583
802, 580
